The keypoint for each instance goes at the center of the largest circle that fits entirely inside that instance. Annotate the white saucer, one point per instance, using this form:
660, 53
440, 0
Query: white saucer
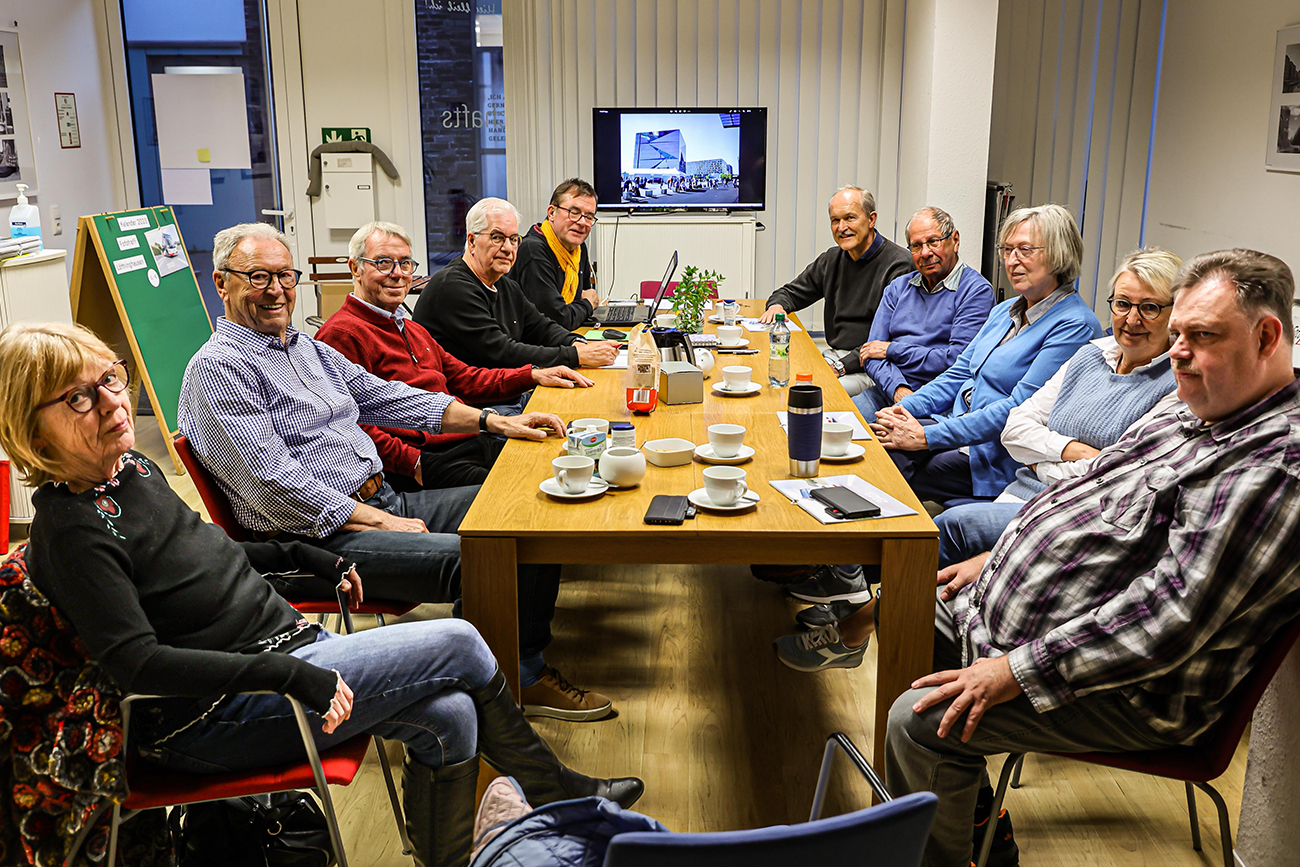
855, 451
705, 453
700, 497
552, 488
752, 388
741, 345
715, 319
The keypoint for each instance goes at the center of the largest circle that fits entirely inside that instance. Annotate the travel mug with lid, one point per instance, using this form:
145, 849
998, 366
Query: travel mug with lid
804, 429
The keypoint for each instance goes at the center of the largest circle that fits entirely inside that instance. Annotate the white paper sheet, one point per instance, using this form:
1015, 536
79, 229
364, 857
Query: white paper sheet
859, 432
619, 363
797, 492
187, 186
201, 113
752, 324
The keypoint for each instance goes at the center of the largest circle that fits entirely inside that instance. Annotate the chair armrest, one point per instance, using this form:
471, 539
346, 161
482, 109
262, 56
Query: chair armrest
840, 741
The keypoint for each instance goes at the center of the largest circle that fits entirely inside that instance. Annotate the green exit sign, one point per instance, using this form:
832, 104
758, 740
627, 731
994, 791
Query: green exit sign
344, 133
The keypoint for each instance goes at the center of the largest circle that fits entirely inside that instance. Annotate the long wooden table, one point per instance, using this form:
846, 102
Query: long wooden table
513, 522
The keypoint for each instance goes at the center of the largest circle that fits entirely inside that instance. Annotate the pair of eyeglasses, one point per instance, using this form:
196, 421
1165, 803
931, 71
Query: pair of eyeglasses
929, 243
578, 216
386, 265
1146, 309
1024, 251
261, 278
499, 238
82, 398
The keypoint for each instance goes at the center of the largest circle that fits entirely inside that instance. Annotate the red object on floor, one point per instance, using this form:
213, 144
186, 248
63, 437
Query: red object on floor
4, 505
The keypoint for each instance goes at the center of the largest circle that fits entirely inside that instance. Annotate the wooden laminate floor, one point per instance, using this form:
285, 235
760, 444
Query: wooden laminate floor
726, 737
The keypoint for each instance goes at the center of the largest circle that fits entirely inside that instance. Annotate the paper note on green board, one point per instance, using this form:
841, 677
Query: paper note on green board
205, 155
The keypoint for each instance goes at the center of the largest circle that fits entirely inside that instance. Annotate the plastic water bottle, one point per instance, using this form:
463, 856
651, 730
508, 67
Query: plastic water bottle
778, 353
25, 219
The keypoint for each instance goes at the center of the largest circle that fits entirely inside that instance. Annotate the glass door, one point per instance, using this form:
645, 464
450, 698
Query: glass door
199, 78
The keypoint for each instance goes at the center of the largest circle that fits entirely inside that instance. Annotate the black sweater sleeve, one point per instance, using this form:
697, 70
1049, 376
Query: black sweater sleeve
541, 279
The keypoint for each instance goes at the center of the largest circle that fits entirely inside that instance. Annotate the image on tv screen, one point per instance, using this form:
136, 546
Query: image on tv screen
678, 160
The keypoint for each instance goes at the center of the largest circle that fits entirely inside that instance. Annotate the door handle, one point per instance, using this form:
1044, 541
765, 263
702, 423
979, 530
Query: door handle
271, 212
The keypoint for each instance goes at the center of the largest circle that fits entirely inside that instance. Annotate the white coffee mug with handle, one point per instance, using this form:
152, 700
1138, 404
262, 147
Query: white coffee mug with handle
573, 473
725, 485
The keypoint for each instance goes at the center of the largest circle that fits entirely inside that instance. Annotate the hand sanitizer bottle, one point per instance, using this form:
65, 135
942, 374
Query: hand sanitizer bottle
25, 219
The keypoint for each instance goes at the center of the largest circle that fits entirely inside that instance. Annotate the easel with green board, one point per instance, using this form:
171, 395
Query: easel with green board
132, 284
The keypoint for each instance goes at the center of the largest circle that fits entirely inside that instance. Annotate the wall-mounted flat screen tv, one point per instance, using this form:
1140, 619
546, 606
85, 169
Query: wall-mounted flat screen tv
668, 159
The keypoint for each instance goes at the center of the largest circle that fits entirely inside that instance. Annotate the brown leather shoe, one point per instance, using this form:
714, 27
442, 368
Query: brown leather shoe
555, 697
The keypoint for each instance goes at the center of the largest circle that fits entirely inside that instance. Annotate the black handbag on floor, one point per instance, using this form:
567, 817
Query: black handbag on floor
284, 829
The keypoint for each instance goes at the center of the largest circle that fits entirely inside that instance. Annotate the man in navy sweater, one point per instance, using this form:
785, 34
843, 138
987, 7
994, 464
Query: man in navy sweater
925, 318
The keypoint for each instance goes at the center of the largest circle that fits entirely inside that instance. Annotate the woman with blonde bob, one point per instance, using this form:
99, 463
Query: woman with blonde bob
169, 605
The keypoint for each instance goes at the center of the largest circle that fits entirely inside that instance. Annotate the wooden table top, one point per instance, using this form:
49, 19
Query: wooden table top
510, 503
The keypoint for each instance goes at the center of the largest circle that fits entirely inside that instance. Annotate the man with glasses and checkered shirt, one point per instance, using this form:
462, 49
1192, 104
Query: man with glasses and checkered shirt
553, 267
275, 416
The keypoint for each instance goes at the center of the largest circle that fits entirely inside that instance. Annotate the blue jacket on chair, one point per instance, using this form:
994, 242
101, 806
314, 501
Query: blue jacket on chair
999, 378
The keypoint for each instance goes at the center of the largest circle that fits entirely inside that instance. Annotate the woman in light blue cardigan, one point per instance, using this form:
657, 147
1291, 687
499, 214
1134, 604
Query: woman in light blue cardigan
945, 438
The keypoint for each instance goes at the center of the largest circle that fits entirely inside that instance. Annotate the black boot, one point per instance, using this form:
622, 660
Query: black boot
439, 808
510, 745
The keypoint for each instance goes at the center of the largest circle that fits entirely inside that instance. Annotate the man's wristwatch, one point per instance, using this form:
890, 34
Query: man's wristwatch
483, 417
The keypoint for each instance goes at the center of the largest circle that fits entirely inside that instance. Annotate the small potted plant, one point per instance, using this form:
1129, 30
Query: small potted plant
691, 297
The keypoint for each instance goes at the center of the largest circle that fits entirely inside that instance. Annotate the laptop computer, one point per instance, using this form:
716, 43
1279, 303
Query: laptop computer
631, 314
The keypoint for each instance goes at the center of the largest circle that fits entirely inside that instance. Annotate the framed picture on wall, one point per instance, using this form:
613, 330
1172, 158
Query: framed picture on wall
1283, 152
17, 159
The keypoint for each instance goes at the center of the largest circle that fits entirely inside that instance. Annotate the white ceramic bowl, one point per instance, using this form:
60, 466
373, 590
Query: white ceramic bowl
671, 452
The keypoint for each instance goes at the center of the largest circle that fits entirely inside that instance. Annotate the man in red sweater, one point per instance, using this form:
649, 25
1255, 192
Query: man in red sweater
373, 330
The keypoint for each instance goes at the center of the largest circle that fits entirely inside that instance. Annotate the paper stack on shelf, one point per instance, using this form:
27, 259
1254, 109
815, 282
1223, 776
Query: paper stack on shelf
10, 247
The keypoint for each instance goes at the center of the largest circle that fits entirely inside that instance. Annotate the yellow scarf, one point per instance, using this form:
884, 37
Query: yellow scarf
568, 261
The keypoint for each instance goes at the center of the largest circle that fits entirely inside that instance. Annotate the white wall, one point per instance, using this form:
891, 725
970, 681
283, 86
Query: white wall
64, 50
1209, 190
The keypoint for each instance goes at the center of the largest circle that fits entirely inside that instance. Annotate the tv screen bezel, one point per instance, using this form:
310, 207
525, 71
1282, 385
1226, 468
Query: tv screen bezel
760, 160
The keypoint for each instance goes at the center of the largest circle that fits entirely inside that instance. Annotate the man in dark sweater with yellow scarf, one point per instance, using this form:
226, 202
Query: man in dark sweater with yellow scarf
553, 267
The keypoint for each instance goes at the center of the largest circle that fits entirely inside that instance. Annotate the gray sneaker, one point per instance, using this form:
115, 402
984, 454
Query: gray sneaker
828, 585
826, 613
819, 649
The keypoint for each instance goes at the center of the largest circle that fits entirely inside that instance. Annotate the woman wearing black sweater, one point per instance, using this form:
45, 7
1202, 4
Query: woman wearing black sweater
170, 606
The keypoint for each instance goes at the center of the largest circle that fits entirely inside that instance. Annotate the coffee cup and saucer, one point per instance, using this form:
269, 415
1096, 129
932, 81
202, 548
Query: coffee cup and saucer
731, 337
725, 490
726, 445
573, 479
838, 444
736, 382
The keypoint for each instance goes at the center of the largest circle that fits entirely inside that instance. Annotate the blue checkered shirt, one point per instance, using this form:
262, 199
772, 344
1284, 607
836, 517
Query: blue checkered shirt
276, 423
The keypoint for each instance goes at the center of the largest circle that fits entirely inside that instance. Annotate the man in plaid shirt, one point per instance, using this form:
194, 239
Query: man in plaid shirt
1119, 609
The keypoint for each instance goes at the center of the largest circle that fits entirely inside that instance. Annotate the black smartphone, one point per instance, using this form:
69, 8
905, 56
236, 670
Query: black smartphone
666, 510
844, 503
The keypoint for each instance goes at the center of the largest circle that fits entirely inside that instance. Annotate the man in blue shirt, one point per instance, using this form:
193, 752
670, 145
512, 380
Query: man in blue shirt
925, 318
274, 415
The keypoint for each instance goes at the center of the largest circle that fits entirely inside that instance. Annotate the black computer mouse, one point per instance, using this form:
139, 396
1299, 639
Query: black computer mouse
614, 334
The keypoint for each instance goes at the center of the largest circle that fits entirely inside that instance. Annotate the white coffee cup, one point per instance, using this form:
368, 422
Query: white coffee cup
581, 424
573, 472
736, 377
622, 466
730, 335
725, 485
666, 320
836, 438
726, 439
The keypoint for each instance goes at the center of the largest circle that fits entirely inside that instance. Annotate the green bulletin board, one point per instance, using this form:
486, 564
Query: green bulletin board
132, 284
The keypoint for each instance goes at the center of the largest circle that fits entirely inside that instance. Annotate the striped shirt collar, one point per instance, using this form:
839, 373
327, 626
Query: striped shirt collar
244, 334
949, 282
397, 315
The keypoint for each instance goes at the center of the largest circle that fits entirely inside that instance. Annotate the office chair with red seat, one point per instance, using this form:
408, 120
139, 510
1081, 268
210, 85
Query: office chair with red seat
1194, 764
214, 499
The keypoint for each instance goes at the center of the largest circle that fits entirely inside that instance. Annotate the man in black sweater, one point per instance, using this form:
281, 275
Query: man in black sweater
851, 276
481, 316
553, 267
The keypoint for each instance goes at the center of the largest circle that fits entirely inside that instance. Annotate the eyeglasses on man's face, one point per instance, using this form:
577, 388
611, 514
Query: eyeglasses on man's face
261, 278
578, 216
386, 264
928, 243
1146, 309
1023, 251
82, 398
499, 238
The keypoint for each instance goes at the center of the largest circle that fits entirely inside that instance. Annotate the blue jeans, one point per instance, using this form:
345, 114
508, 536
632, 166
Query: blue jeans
409, 681
425, 567
870, 400
965, 531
